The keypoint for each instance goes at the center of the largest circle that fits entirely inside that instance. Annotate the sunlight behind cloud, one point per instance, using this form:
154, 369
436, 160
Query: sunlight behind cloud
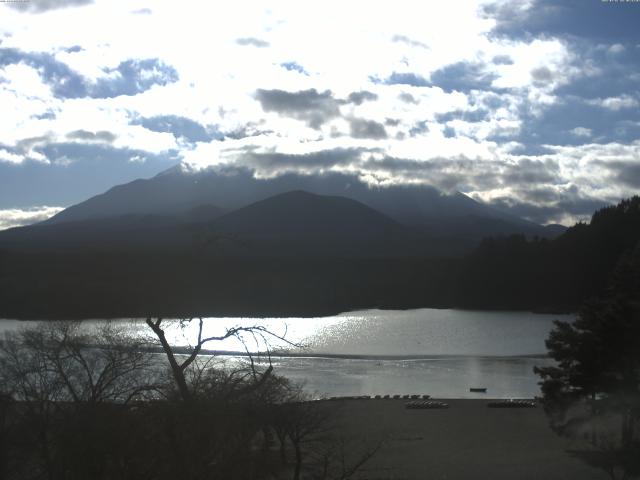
413, 80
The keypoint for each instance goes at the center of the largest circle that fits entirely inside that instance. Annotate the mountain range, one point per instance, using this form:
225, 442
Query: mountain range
223, 242
231, 212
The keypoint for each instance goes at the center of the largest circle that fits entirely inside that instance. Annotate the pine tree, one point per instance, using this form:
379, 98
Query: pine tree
593, 391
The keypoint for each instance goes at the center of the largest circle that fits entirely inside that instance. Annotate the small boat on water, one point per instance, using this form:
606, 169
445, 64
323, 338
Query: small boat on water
478, 389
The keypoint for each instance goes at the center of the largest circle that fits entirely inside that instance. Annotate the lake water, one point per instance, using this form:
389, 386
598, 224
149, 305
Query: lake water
426, 351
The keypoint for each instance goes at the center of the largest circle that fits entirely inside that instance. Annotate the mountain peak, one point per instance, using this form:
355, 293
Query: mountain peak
178, 190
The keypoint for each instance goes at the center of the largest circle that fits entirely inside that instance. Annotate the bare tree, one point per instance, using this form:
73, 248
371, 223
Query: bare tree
179, 368
70, 385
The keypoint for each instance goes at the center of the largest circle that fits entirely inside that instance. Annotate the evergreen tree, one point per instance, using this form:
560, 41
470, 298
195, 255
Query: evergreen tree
593, 391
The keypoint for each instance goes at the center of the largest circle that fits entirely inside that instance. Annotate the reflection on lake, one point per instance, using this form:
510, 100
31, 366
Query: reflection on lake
439, 352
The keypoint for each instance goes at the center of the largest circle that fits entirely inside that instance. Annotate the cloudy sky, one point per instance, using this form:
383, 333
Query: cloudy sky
530, 106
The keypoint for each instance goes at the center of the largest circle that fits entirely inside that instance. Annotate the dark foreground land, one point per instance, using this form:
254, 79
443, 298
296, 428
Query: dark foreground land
465, 441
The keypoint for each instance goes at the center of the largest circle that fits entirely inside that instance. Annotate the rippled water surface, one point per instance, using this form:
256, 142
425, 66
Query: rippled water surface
439, 352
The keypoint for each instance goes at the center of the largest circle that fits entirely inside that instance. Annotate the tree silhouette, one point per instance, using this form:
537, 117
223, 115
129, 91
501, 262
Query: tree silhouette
179, 369
594, 389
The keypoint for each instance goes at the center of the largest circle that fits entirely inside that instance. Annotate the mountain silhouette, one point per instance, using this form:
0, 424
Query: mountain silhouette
290, 224
177, 191
132, 232
300, 223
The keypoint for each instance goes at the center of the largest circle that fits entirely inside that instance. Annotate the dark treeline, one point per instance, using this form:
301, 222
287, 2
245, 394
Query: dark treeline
89, 285
514, 273
510, 272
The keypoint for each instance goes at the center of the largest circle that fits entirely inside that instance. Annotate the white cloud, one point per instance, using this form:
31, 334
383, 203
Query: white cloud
616, 48
582, 132
615, 103
6, 156
16, 217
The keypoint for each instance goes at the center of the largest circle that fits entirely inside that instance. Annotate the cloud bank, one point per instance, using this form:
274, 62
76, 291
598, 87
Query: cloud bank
530, 106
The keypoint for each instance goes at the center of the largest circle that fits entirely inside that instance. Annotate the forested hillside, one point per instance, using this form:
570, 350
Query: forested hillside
511, 272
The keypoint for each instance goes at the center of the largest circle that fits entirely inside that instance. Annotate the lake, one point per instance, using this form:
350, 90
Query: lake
425, 351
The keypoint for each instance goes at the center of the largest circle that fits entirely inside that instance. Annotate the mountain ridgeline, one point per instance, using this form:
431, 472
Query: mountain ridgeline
181, 194
226, 243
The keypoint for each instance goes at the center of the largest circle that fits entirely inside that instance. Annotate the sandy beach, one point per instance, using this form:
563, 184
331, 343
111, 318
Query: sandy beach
467, 440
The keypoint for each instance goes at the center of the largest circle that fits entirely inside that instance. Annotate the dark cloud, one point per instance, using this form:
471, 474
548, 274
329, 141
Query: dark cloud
541, 76
74, 49
463, 77
473, 116
40, 6
545, 206
250, 129
274, 163
294, 67
180, 127
131, 76
531, 172
408, 98
361, 128
493, 101
100, 136
540, 194
408, 41
594, 19
627, 173
362, 96
77, 171
419, 128
24, 145
446, 174
413, 79
48, 115
502, 60
306, 105
252, 42
449, 132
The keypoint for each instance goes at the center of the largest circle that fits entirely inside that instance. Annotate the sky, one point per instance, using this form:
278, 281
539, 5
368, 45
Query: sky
529, 106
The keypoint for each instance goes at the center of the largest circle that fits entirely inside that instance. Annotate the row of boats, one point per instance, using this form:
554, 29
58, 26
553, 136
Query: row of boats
425, 402
512, 404
383, 397
425, 405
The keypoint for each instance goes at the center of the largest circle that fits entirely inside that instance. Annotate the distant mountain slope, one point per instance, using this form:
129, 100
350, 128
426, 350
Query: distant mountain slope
292, 224
122, 233
303, 213
175, 191
299, 223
